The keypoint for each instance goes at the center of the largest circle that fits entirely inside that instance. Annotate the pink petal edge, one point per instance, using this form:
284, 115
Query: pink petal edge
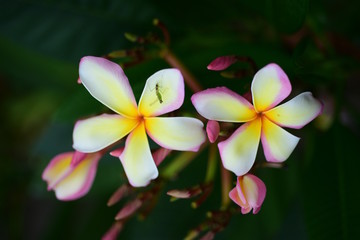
211, 91
285, 82
53, 162
89, 180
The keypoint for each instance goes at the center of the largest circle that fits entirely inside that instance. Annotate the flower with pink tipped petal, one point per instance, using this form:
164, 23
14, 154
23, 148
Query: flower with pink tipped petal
249, 193
264, 120
71, 174
163, 93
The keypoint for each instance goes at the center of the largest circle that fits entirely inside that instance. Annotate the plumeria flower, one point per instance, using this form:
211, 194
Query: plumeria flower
249, 193
71, 174
263, 120
163, 93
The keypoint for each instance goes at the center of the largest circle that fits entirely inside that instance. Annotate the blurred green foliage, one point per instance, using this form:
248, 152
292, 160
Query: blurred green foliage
41, 43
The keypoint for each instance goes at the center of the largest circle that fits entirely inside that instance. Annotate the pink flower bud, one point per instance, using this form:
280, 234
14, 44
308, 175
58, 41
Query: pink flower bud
113, 232
129, 209
160, 154
222, 63
119, 194
212, 130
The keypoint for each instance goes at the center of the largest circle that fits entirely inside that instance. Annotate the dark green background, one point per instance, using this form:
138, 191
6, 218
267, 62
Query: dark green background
41, 43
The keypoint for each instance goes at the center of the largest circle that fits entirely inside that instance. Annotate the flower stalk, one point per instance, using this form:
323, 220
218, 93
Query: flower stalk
225, 188
212, 164
189, 78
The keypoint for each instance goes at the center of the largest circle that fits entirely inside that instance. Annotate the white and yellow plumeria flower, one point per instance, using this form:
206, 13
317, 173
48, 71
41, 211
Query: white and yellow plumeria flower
71, 174
263, 120
163, 93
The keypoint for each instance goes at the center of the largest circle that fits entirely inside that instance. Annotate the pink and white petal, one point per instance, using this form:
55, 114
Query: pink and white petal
269, 87
78, 183
238, 152
222, 104
212, 130
96, 133
164, 92
241, 191
234, 196
278, 144
57, 169
255, 191
297, 112
137, 160
107, 83
176, 133
246, 210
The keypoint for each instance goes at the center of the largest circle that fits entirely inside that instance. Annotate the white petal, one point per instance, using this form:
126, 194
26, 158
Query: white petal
176, 133
96, 133
107, 83
164, 92
137, 160
278, 144
269, 87
238, 152
297, 112
222, 104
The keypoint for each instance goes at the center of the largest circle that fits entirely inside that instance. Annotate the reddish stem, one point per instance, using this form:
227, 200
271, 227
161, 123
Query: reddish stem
189, 79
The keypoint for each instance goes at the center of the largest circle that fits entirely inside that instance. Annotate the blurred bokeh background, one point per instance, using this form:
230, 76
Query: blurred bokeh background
317, 43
